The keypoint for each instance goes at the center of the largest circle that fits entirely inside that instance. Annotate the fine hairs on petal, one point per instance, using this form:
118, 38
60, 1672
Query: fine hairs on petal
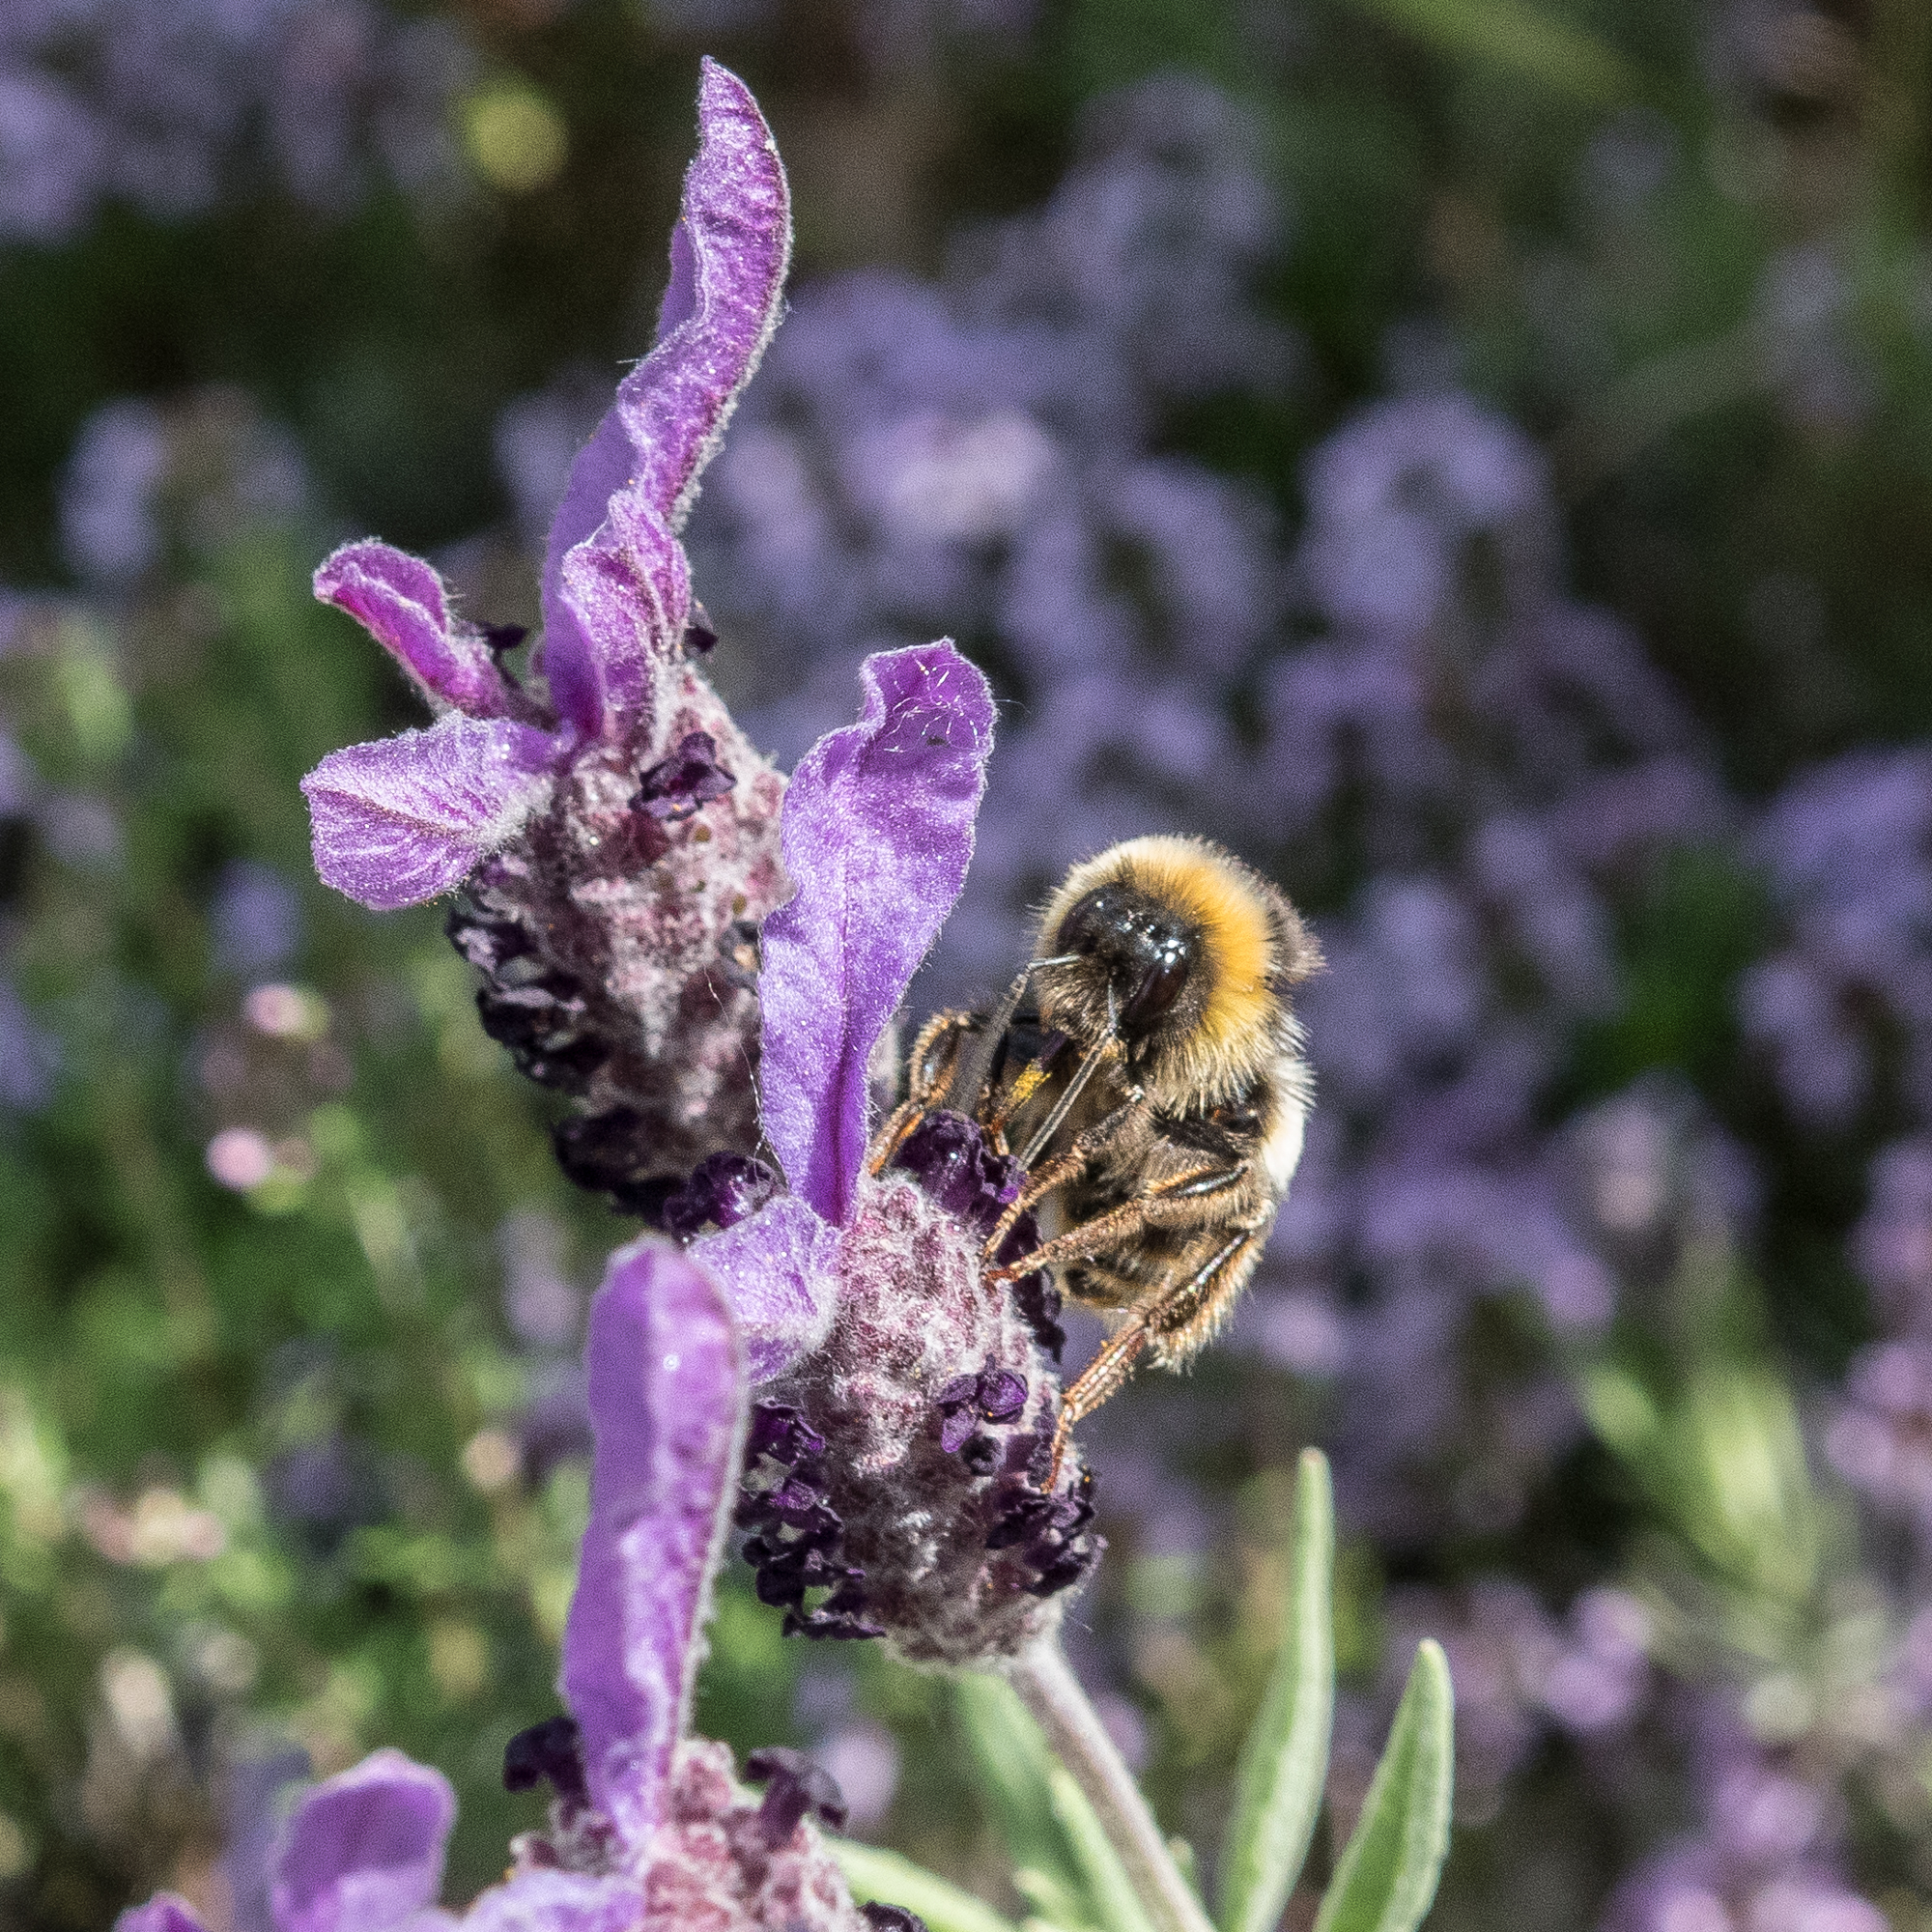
878, 833
667, 1411
730, 256
408, 818
402, 604
615, 595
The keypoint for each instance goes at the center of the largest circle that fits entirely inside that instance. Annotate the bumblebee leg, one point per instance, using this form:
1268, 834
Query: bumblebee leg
1055, 1173
927, 1080
1104, 1376
886, 1142
1172, 1312
1185, 1321
925, 1084
1173, 1201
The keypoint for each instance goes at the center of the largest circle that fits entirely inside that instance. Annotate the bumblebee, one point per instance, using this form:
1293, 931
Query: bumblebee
1147, 1064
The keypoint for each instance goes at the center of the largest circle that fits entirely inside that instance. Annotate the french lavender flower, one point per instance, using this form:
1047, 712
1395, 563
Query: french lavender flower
649, 1831
902, 1438
614, 837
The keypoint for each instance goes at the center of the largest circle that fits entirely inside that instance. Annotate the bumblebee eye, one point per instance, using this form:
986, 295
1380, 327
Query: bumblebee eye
1086, 923
1159, 987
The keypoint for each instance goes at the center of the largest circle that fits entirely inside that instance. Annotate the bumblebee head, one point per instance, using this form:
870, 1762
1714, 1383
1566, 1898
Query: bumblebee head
1146, 954
1177, 949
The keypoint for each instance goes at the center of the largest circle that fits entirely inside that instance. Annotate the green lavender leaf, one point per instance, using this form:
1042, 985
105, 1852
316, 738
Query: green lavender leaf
1013, 1769
1116, 1904
892, 1879
1522, 38
1386, 1880
1285, 1757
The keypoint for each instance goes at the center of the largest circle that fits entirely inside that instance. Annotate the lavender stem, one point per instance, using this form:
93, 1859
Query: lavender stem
1073, 1728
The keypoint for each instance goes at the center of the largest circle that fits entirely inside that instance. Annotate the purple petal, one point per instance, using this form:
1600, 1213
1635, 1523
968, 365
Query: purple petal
1003, 1395
878, 830
776, 1271
400, 820
956, 1430
602, 468
723, 1190
729, 261
364, 1851
615, 591
556, 1901
667, 1413
401, 602
163, 1913
629, 589
680, 296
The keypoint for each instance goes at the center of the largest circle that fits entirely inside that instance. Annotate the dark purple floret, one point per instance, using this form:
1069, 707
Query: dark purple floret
1003, 1395
891, 1917
699, 639
947, 1155
502, 638
993, 1395
1039, 1301
956, 1428
794, 1788
607, 1152
796, 1539
552, 1750
1051, 1533
725, 1189
778, 1430
676, 786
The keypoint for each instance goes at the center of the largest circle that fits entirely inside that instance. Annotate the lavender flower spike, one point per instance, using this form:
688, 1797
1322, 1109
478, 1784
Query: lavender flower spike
615, 840
649, 1832
901, 1443
407, 821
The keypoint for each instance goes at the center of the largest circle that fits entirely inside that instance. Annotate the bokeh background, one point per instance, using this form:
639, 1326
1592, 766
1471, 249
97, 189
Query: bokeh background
1472, 456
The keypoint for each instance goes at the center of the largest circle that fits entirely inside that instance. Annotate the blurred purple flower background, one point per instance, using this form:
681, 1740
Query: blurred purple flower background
1509, 600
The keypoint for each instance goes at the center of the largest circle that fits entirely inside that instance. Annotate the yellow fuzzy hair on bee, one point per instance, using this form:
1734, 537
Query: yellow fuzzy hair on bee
1229, 906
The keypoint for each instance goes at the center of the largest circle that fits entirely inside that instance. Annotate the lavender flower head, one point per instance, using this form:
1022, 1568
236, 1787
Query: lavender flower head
900, 1448
615, 834
649, 1831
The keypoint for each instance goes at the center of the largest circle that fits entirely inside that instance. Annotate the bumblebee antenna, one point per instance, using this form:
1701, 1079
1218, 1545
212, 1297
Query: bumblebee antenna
1063, 1106
976, 1065
1075, 1087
